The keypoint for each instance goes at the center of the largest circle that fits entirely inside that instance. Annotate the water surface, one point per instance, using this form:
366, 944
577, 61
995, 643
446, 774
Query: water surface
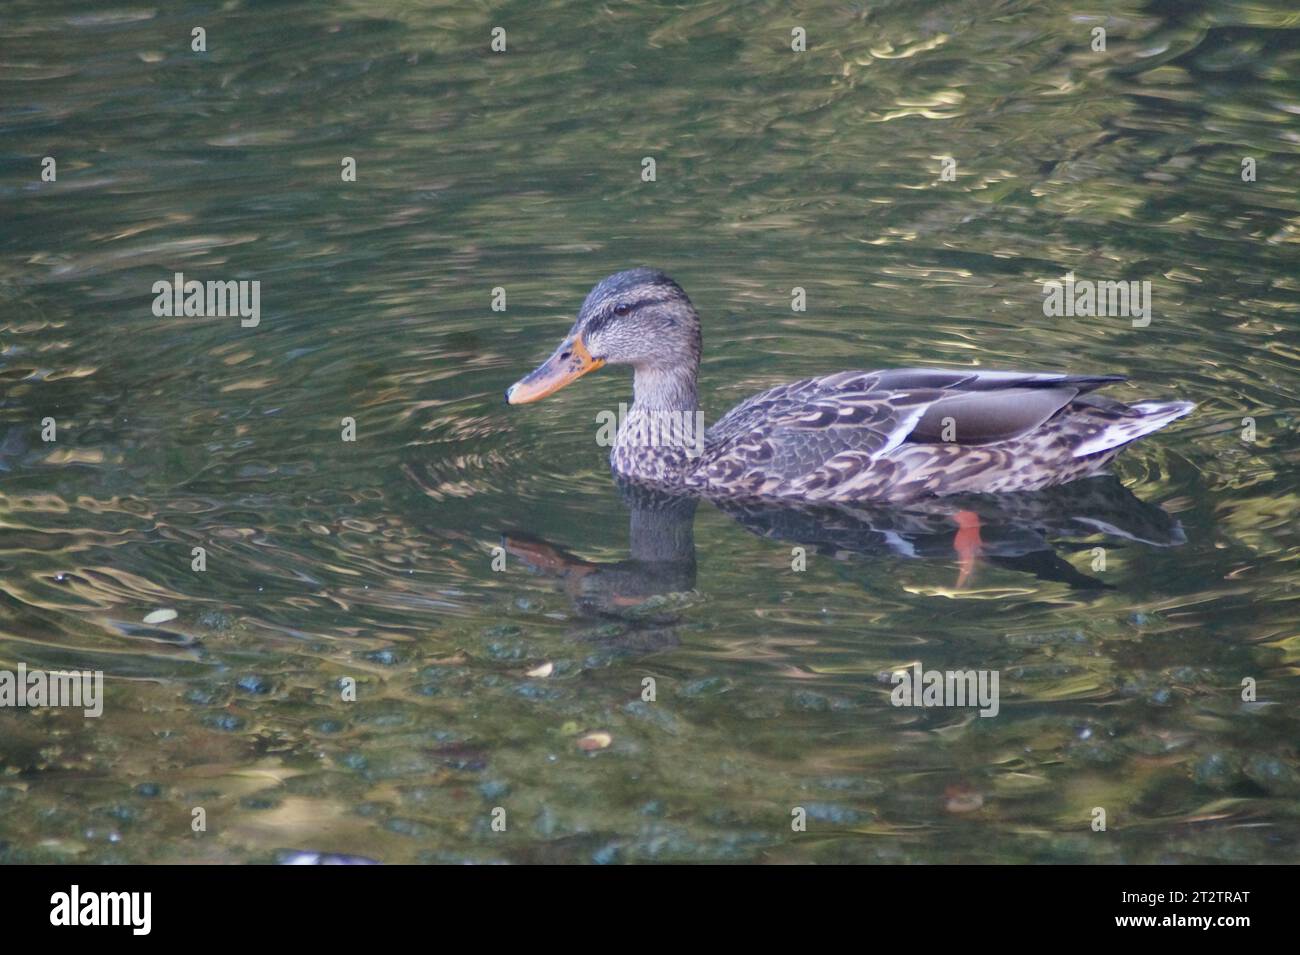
373, 560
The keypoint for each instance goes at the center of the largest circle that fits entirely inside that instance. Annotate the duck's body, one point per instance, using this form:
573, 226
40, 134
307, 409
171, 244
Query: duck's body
879, 436
892, 435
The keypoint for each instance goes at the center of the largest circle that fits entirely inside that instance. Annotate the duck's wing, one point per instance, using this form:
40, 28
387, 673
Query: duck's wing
838, 431
951, 383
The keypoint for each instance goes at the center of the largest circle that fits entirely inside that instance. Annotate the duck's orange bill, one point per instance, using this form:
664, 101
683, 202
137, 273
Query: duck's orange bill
569, 363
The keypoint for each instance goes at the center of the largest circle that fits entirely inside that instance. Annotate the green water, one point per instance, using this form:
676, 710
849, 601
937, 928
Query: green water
372, 560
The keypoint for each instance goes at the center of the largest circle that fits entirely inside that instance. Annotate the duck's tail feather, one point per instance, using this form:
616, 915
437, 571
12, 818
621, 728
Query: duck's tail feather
1147, 416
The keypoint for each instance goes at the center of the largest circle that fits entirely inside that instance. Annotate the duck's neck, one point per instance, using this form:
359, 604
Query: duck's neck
665, 389
662, 437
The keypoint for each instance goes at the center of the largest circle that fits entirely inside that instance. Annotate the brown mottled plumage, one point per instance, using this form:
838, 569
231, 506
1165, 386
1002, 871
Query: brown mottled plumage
892, 435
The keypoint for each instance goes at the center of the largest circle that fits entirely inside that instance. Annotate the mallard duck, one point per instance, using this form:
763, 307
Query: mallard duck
893, 435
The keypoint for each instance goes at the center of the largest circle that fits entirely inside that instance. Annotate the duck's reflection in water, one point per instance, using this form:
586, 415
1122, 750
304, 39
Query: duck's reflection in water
1021, 531
662, 536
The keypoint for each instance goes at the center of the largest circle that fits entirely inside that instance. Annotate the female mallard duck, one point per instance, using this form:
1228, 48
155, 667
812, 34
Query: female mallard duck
892, 435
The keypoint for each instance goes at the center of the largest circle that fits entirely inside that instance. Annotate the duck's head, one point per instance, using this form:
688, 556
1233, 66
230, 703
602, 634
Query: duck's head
640, 317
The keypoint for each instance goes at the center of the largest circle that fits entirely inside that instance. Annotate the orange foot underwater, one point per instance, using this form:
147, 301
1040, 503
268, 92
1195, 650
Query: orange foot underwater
967, 544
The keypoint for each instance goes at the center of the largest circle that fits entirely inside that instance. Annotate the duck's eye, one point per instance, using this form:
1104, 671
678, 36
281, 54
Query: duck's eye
622, 309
